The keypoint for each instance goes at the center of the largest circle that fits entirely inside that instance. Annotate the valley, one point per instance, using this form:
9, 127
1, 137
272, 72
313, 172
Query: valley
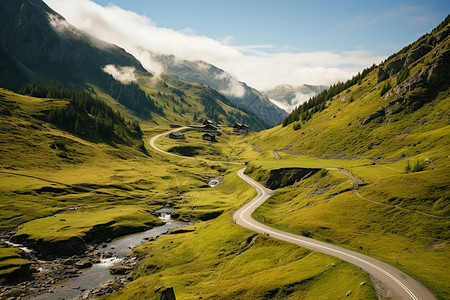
346, 196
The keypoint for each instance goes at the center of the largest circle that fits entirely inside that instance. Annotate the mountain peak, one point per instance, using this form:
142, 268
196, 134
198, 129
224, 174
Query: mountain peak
44, 47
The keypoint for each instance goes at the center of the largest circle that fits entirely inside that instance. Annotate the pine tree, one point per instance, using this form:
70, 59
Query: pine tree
408, 167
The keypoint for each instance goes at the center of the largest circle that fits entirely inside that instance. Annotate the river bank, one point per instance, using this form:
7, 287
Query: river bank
84, 276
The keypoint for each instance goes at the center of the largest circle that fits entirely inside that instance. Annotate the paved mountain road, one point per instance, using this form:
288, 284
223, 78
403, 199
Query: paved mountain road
152, 144
396, 283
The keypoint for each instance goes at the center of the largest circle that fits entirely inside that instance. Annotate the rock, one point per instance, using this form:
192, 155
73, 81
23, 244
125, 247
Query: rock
331, 265
69, 261
390, 69
121, 270
362, 283
349, 292
166, 293
54, 249
85, 263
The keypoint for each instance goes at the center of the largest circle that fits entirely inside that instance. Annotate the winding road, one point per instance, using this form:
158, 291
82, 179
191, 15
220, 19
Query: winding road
396, 283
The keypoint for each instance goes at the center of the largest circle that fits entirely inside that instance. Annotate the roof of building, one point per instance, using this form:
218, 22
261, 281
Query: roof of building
210, 126
179, 133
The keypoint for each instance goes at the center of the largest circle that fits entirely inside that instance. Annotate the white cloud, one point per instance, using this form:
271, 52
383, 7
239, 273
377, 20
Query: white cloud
123, 74
234, 87
296, 101
138, 35
282, 105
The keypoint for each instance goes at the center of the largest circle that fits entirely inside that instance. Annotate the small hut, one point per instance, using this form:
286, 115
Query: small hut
177, 135
209, 137
209, 127
241, 128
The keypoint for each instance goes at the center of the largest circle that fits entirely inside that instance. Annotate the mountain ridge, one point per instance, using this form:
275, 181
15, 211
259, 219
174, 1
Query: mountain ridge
288, 96
40, 46
236, 91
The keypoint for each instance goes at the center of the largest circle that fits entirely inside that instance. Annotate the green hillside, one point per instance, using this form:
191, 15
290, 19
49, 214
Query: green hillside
388, 128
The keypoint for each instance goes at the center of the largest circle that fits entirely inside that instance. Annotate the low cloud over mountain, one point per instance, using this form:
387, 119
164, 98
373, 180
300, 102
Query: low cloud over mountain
262, 70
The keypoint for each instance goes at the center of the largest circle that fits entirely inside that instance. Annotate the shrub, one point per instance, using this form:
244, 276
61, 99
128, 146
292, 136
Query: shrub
418, 167
323, 172
408, 167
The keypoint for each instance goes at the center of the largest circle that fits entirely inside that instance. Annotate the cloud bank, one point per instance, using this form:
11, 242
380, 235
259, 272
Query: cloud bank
123, 74
294, 102
138, 35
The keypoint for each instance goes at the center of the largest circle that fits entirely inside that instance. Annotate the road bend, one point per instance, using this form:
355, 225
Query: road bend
152, 144
396, 283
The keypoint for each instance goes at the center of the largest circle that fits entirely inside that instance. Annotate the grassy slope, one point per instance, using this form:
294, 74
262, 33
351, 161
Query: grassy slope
327, 209
10, 260
121, 184
181, 110
37, 181
220, 260
377, 153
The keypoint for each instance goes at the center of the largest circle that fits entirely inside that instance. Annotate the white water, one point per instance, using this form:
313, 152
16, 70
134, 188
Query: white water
92, 277
18, 246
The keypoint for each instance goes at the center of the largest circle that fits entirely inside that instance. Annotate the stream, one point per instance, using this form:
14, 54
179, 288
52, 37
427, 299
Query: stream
94, 276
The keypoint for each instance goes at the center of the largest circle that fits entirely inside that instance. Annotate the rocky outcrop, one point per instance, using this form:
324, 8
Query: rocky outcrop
21, 272
411, 57
279, 178
417, 90
52, 249
390, 69
166, 293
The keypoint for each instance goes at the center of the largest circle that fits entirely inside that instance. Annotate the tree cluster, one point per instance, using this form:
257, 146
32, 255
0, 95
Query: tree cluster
132, 97
212, 109
317, 103
416, 168
85, 115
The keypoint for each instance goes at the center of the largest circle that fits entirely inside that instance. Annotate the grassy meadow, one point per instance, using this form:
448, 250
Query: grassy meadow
389, 227
219, 260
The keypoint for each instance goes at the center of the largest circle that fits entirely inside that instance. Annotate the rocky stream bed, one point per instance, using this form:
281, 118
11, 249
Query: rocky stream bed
100, 270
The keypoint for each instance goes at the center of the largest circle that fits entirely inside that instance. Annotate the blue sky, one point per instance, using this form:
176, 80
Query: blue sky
293, 25
263, 43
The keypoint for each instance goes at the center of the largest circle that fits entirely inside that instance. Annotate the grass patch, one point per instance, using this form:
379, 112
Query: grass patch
11, 262
63, 226
327, 209
220, 260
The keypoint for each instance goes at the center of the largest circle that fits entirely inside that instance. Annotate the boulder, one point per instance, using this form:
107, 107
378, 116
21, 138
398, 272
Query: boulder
84, 263
166, 293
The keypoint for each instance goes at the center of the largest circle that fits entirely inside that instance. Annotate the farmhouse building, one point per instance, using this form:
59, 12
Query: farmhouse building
209, 127
241, 128
209, 137
176, 135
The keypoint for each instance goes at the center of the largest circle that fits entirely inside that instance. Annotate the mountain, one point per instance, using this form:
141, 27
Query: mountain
288, 97
38, 45
372, 114
236, 91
